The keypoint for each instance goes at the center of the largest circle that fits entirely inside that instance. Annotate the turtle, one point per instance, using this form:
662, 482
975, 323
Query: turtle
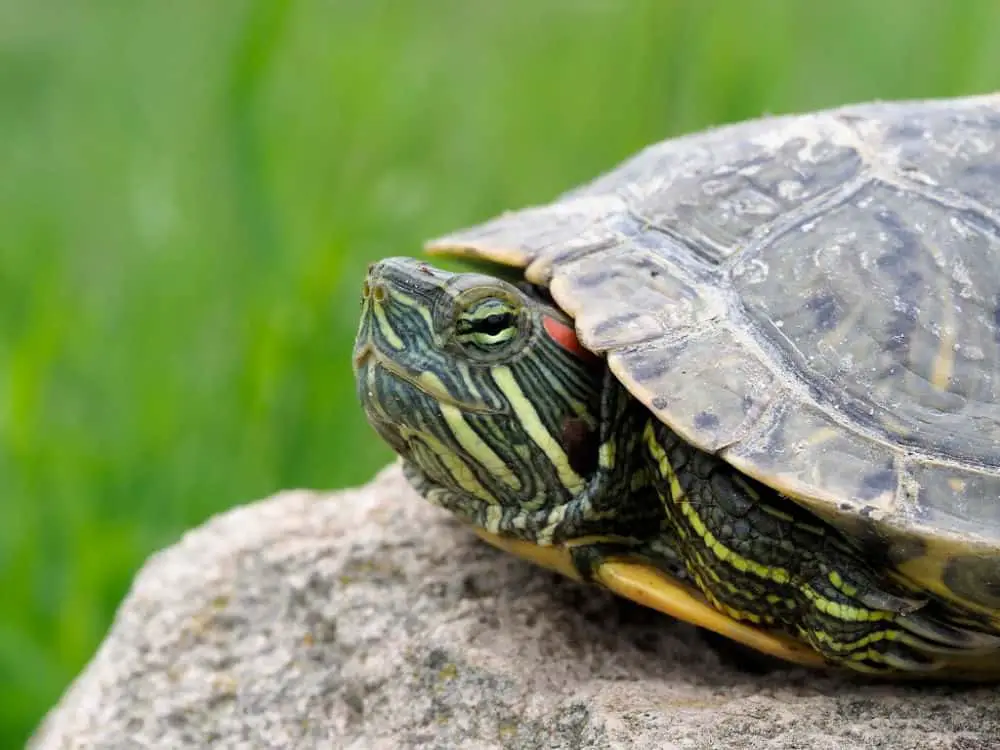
748, 377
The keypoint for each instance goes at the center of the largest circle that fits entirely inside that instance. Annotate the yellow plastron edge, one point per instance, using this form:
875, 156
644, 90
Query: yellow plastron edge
645, 585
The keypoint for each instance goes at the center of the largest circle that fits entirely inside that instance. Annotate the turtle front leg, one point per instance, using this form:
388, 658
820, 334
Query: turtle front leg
762, 559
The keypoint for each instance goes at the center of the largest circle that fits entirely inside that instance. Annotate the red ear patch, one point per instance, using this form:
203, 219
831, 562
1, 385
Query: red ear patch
565, 336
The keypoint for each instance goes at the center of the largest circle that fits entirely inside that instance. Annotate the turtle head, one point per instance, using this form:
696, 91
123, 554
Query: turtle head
481, 386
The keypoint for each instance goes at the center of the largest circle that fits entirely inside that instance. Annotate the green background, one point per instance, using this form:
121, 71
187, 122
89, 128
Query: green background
190, 191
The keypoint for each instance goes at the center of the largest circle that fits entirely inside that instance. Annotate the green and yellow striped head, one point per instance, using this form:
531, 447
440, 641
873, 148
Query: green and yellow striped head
481, 387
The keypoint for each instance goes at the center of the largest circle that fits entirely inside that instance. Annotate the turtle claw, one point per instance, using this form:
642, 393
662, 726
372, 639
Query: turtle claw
875, 598
905, 664
940, 637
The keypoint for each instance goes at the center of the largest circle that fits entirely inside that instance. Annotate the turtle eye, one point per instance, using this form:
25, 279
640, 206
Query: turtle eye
494, 324
488, 325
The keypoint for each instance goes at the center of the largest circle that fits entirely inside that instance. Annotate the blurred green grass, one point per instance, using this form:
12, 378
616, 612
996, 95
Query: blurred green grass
190, 192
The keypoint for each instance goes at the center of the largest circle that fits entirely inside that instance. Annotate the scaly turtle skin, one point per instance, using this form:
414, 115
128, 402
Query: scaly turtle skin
762, 396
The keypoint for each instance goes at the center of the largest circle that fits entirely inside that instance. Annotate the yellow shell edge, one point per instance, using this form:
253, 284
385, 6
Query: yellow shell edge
647, 586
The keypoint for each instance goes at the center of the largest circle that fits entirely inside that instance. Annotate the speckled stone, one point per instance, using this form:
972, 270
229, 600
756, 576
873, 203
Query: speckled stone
368, 619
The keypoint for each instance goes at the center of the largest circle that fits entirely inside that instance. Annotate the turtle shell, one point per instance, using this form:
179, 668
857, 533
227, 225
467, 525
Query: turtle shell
814, 298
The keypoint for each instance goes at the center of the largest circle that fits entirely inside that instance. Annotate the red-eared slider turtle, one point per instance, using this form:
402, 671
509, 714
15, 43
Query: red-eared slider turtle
750, 377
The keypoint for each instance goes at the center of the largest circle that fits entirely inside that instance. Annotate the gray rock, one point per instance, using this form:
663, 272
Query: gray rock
369, 619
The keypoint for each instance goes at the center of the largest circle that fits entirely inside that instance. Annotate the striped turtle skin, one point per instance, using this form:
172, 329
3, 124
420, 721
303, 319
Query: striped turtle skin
747, 378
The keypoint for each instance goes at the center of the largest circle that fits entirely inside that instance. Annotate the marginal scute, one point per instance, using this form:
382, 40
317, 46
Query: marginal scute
709, 373
961, 499
801, 451
630, 294
517, 238
975, 578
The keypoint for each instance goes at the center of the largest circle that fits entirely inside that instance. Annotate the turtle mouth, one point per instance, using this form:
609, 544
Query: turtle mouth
368, 361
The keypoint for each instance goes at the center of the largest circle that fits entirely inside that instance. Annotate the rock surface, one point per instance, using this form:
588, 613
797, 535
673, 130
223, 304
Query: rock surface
369, 619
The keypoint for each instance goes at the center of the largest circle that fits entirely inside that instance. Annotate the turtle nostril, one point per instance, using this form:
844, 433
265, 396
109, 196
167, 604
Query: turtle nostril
366, 290
378, 293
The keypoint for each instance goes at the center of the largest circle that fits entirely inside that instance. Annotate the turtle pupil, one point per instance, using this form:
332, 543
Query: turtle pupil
494, 324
